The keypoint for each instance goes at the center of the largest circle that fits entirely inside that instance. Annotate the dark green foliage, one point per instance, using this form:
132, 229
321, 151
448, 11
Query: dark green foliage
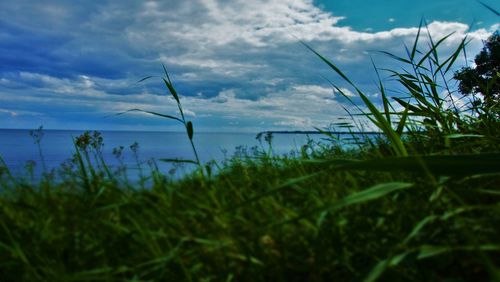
275, 219
484, 78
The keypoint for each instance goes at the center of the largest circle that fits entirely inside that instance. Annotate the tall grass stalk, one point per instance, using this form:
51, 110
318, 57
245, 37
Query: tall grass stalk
188, 125
374, 115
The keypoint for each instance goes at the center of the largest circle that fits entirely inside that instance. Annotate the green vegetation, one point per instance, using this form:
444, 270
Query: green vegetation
483, 78
421, 203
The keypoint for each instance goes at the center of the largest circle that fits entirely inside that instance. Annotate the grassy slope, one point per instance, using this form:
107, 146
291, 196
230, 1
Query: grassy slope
272, 219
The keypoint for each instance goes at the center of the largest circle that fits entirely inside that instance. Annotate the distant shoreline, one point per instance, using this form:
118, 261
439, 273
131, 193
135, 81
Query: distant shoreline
320, 132
204, 132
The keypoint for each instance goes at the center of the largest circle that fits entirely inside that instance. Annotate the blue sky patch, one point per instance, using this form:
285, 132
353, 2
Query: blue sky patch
379, 15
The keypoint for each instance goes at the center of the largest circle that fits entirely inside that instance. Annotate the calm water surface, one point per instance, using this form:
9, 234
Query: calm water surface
18, 148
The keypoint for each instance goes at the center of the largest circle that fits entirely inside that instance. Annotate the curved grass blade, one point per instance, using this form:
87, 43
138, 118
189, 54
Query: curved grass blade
383, 265
427, 251
171, 89
490, 192
419, 226
178, 161
169, 85
331, 65
490, 8
145, 78
433, 89
379, 120
454, 56
283, 186
402, 122
152, 113
414, 49
448, 138
396, 57
423, 252
166, 73
341, 92
385, 101
373, 193
445, 165
433, 50
385, 126
327, 133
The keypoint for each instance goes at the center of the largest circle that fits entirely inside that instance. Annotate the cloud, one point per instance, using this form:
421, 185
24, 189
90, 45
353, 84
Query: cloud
8, 112
237, 64
346, 92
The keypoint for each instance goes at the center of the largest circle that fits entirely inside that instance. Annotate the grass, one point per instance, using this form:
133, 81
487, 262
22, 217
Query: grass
420, 203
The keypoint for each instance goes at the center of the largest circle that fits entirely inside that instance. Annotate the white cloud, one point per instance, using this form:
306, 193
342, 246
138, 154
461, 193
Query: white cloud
222, 67
9, 112
17, 113
240, 60
300, 106
248, 22
346, 92
320, 91
256, 21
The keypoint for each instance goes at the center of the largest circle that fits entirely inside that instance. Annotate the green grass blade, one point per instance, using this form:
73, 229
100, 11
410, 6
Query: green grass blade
386, 127
326, 133
170, 86
396, 57
410, 84
433, 89
383, 265
454, 56
433, 49
417, 93
427, 251
407, 105
378, 119
166, 73
419, 226
331, 65
414, 49
82, 170
423, 252
145, 78
152, 113
402, 122
489, 192
385, 101
372, 193
171, 89
286, 185
178, 161
490, 8
448, 138
438, 164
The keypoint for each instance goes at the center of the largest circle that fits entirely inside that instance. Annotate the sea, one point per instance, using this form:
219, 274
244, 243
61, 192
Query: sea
28, 156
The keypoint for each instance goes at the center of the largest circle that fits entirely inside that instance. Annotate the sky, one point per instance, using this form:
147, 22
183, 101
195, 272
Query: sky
238, 65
